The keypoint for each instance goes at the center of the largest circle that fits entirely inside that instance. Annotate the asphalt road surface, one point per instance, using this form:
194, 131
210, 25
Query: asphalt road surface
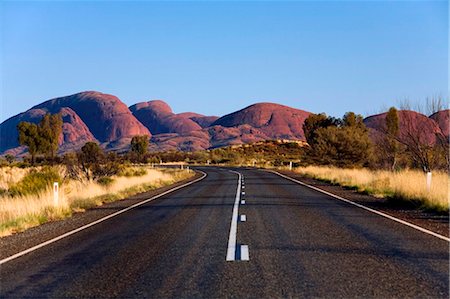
287, 241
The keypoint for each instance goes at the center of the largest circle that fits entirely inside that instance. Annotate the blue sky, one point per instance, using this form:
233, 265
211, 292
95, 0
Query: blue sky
217, 57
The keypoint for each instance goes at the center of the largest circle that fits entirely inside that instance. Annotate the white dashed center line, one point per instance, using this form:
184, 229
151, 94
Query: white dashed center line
244, 253
232, 245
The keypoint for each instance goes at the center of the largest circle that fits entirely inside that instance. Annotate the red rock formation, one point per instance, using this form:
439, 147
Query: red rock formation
158, 117
204, 121
105, 115
75, 133
276, 121
411, 125
87, 116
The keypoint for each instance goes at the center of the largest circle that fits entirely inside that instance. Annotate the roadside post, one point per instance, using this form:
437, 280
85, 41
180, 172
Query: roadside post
428, 181
290, 165
55, 193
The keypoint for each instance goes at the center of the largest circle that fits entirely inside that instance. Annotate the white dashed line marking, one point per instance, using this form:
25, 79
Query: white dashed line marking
243, 218
244, 253
242, 202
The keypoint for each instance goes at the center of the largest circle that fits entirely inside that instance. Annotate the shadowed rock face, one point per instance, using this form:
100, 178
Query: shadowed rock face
275, 121
410, 123
75, 133
442, 118
105, 115
204, 121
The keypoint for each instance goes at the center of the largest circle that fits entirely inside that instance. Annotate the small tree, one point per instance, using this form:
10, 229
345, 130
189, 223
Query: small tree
50, 128
316, 121
343, 143
89, 158
392, 130
139, 146
41, 138
29, 136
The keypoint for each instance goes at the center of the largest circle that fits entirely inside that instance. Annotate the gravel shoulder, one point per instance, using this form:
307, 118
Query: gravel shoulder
18, 242
437, 223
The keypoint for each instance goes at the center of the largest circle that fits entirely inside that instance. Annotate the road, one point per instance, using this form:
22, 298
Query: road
294, 242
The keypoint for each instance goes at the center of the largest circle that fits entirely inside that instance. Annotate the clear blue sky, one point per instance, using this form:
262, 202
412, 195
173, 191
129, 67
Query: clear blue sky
217, 57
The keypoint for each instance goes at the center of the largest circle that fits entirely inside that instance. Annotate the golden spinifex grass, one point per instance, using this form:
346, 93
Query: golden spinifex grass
21, 212
406, 185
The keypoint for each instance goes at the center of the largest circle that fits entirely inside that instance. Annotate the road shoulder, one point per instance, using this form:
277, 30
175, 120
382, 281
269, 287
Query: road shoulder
18, 242
437, 223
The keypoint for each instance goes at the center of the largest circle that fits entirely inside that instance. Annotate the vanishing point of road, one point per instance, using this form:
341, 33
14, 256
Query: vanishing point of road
239, 233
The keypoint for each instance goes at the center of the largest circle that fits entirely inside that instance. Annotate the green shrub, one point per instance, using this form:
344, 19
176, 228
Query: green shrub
105, 181
130, 172
35, 182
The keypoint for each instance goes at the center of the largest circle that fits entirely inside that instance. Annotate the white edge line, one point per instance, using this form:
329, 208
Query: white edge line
424, 230
19, 254
231, 250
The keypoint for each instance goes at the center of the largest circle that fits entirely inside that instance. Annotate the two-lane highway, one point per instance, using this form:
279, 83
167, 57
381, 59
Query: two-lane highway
299, 242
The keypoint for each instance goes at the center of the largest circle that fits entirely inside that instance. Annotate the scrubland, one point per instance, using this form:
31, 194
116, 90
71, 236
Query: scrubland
27, 198
402, 187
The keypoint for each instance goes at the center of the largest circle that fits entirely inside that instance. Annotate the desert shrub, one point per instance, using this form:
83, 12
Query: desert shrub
130, 172
34, 182
105, 181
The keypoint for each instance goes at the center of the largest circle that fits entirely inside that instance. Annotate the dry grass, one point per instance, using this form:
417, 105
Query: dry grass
407, 185
21, 212
11, 175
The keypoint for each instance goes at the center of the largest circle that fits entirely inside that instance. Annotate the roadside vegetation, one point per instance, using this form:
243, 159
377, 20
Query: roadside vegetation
406, 187
27, 198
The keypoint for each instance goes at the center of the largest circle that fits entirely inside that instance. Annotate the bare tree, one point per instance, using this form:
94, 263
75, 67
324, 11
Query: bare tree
419, 145
428, 107
435, 104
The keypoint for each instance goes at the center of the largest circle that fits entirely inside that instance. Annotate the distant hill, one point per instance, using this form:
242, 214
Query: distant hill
104, 118
275, 121
87, 116
409, 122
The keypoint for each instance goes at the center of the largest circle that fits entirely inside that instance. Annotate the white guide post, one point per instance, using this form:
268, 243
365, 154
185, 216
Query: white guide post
428, 181
290, 165
55, 193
